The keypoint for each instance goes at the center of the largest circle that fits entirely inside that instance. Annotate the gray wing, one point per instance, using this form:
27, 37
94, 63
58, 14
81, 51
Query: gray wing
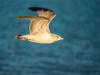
44, 12
41, 23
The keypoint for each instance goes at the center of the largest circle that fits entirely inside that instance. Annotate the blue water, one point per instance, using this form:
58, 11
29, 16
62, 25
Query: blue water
78, 21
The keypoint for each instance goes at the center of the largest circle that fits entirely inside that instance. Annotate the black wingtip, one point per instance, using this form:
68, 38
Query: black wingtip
39, 8
18, 36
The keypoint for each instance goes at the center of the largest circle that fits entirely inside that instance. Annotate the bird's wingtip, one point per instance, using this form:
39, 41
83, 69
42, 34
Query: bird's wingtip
39, 8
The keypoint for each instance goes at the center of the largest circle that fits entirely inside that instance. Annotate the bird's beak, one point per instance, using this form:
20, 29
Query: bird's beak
61, 38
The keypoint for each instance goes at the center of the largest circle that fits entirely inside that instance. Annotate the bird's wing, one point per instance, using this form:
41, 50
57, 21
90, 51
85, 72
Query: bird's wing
41, 23
44, 12
25, 17
38, 25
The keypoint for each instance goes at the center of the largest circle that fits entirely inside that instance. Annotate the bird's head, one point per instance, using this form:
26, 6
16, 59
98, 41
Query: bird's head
60, 38
57, 38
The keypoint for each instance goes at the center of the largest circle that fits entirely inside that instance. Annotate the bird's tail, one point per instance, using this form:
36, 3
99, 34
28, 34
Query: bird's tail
22, 37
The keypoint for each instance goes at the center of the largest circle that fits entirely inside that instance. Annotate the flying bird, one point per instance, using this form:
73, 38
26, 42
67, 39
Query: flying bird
39, 31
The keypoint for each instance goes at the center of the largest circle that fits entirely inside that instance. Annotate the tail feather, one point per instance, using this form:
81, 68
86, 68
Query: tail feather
21, 37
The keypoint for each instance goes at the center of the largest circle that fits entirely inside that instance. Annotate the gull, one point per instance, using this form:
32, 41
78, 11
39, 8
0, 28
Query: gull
39, 31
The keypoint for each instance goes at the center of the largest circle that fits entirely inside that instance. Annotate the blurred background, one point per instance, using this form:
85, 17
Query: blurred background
78, 21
